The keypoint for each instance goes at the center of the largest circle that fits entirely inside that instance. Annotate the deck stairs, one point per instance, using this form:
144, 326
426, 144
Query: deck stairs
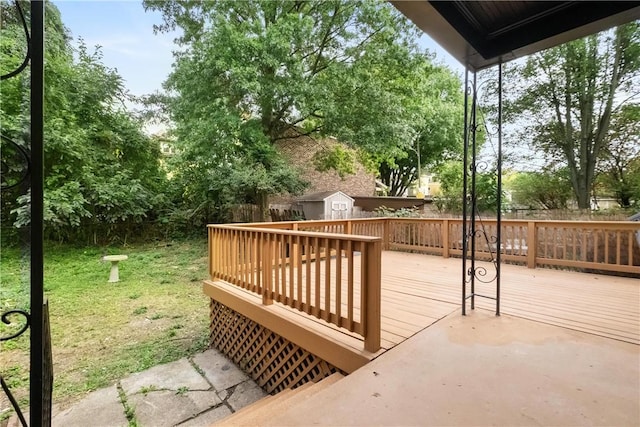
265, 409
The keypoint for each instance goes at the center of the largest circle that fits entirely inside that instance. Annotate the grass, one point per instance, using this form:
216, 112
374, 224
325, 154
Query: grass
100, 331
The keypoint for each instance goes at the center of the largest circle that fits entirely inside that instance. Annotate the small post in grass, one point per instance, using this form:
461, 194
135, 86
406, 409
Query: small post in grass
114, 275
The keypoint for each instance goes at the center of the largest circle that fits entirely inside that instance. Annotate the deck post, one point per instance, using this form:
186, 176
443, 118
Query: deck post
348, 227
371, 288
445, 238
531, 244
386, 230
267, 275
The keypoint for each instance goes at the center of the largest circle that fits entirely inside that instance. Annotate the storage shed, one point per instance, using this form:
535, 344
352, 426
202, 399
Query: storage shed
326, 205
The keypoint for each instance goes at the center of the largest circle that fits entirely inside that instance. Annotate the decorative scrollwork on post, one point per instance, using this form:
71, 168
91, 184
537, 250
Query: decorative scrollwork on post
5, 319
15, 164
478, 242
23, 328
27, 36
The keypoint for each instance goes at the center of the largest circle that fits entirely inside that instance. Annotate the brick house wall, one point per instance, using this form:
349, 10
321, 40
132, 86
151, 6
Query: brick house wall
299, 152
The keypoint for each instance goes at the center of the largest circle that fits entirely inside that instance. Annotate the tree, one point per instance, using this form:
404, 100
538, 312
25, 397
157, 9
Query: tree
101, 172
546, 190
250, 73
436, 105
570, 96
620, 163
451, 185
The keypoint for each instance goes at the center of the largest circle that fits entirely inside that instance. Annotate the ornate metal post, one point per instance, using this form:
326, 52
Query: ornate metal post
30, 166
39, 414
474, 232
465, 165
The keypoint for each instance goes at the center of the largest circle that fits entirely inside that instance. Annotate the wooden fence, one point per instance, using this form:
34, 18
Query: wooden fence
309, 271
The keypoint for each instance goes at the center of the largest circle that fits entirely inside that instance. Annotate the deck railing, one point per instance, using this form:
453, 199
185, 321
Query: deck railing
318, 273
332, 269
589, 245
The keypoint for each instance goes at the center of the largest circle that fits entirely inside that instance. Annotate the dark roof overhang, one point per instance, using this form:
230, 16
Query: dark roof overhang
480, 34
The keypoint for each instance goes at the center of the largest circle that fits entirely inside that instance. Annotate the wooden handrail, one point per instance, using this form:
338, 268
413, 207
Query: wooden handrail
308, 271
311, 266
591, 245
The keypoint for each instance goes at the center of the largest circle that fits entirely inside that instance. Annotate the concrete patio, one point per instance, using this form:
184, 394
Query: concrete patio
188, 393
486, 370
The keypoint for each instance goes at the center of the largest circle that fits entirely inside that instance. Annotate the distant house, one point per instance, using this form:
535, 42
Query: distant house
300, 151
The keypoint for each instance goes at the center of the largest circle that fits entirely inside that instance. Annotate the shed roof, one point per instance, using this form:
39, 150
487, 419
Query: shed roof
321, 196
483, 33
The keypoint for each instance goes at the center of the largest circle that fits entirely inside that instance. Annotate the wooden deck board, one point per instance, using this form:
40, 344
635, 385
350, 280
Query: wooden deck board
418, 290
608, 306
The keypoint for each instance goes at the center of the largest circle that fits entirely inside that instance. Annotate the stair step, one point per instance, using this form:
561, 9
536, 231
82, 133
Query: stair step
305, 394
247, 411
261, 411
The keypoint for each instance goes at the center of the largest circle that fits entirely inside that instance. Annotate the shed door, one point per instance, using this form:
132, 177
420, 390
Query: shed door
338, 210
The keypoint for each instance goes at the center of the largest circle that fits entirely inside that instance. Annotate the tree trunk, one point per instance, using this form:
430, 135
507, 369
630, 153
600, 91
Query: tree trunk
262, 199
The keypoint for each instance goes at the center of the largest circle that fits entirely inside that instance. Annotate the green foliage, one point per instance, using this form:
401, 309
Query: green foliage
434, 102
384, 211
338, 158
546, 190
250, 73
570, 97
450, 175
619, 165
102, 174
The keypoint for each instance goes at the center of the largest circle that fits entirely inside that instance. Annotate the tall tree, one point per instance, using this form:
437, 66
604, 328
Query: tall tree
570, 94
247, 72
101, 172
619, 165
435, 104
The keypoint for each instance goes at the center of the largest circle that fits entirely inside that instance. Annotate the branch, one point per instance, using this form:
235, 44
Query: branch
298, 135
325, 39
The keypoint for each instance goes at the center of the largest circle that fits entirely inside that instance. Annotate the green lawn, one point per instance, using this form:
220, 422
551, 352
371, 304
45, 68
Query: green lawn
102, 331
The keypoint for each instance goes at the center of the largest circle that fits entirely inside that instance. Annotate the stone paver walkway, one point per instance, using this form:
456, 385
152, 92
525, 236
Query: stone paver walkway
187, 393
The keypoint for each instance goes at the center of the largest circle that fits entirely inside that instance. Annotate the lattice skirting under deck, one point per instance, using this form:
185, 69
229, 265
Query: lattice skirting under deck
273, 362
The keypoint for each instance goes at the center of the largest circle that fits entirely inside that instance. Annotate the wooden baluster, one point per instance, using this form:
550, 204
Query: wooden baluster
259, 264
387, 229
444, 229
250, 247
605, 237
308, 281
327, 282
350, 285
225, 254
630, 238
283, 267
292, 249
565, 230
316, 287
275, 254
267, 271
338, 282
298, 264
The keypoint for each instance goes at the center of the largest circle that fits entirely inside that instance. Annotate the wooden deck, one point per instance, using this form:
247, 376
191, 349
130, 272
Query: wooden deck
427, 286
418, 290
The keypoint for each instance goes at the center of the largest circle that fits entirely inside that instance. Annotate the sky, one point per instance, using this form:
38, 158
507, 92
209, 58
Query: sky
142, 58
